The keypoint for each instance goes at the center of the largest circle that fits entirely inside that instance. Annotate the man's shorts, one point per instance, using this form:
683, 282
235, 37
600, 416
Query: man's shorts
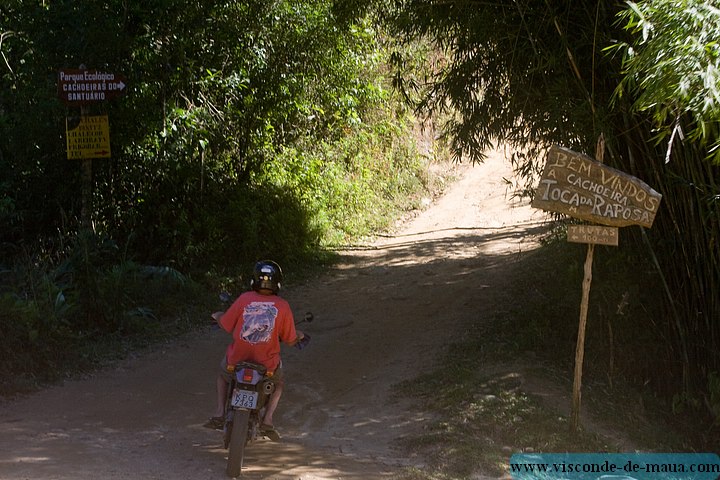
227, 375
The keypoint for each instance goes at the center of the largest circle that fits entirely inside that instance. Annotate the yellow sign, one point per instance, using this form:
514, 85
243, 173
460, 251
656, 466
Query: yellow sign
89, 139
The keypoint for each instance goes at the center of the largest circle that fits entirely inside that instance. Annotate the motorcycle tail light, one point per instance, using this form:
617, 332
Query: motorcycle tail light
247, 376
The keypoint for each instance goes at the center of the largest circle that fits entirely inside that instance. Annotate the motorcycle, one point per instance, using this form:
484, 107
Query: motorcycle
248, 393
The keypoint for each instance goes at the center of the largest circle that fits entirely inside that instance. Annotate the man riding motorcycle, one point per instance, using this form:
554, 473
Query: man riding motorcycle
258, 320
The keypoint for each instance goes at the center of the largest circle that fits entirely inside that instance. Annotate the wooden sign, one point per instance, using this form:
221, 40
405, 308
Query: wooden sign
597, 234
578, 186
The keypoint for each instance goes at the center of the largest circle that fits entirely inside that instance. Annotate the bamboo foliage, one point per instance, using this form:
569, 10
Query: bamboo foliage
672, 68
684, 240
671, 71
647, 75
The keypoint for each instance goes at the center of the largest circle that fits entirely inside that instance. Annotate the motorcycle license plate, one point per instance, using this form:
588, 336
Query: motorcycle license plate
244, 398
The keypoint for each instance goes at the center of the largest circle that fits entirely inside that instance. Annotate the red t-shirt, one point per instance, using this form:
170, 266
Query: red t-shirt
258, 324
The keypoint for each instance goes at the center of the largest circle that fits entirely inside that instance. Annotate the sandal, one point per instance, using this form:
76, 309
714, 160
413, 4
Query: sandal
215, 423
269, 432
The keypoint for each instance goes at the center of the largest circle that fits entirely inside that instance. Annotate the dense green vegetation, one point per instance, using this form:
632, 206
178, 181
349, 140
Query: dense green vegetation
247, 130
252, 128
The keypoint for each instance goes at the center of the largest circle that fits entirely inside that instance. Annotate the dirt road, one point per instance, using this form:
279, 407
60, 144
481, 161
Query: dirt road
382, 316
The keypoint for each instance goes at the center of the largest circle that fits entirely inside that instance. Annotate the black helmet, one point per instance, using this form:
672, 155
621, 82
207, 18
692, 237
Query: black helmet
266, 275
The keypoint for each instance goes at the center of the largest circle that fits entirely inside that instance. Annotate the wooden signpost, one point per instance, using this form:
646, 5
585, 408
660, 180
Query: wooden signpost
576, 185
89, 136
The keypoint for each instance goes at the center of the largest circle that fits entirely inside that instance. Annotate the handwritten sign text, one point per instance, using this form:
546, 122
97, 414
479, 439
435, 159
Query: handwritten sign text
577, 185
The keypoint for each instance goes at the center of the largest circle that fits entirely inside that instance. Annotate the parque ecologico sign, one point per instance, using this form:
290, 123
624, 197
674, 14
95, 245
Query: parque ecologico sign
577, 185
80, 86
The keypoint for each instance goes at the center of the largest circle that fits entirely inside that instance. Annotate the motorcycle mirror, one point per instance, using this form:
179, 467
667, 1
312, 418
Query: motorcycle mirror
309, 317
225, 297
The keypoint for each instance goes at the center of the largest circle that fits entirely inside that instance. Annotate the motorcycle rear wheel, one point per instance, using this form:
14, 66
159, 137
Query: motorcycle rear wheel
238, 440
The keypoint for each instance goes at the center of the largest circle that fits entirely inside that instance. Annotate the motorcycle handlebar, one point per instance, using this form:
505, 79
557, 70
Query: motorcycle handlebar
309, 317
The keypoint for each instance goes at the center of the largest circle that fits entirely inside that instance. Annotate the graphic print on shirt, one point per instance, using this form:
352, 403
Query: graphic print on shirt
258, 322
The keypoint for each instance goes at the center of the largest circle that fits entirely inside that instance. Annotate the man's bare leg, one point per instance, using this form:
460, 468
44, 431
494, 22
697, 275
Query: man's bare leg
222, 390
272, 404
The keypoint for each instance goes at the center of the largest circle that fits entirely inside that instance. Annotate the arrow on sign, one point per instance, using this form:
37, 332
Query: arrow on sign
117, 86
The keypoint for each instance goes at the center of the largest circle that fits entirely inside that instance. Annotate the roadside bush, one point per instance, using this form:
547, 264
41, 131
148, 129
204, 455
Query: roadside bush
55, 320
